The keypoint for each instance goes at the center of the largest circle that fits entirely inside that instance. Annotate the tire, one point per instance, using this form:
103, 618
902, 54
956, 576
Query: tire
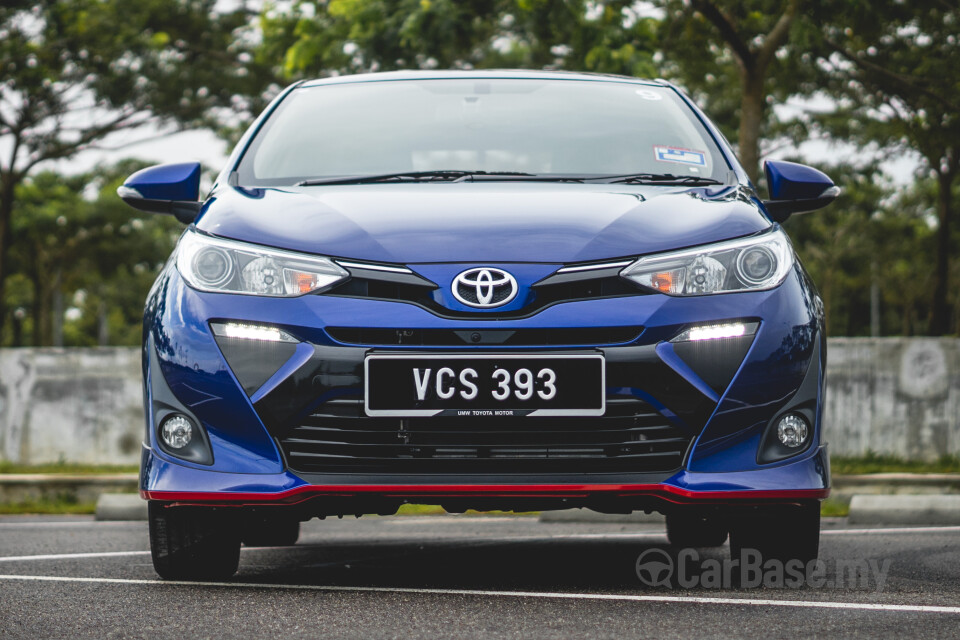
277, 532
695, 529
192, 543
783, 533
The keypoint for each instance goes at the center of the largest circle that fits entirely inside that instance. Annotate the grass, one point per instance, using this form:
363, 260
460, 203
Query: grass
47, 507
420, 510
875, 463
832, 508
67, 467
437, 510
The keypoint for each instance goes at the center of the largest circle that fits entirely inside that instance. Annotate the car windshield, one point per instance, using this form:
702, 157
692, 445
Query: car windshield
546, 128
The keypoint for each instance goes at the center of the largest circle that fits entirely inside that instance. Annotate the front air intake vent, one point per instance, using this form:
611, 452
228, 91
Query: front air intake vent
593, 336
631, 437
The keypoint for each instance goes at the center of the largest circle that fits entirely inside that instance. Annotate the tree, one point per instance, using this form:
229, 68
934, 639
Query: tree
734, 56
97, 248
874, 238
76, 71
353, 36
895, 68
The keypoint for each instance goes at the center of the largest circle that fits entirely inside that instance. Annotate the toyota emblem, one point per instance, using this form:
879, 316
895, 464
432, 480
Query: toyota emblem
484, 287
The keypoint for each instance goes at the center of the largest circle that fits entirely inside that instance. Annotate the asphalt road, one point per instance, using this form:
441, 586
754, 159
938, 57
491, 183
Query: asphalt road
462, 576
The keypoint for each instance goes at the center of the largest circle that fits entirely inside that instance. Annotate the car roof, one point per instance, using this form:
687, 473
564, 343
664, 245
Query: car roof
490, 74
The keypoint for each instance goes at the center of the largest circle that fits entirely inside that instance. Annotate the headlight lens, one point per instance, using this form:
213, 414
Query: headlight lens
755, 264
227, 266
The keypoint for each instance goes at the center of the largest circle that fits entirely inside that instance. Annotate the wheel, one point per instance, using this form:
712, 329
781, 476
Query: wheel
782, 532
192, 543
695, 529
266, 532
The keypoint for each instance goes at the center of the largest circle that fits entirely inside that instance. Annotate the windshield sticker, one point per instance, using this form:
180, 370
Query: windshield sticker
679, 155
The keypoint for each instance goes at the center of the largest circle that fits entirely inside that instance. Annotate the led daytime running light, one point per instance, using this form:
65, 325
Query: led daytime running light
717, 331
260, 332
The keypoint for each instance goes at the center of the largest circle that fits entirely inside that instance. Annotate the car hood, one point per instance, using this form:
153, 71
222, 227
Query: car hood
481, 222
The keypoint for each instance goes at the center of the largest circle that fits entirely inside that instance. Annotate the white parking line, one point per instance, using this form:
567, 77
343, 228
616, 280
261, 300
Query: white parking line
647, 535
840, 532
483, 539
72, 523
751, 602
69, 556
113, 554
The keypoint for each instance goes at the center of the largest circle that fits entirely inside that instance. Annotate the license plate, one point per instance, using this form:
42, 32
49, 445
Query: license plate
487, 385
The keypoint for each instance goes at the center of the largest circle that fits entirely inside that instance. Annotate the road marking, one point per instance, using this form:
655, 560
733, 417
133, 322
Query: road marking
649, 535
117, 554
753, 602
69, 556
73, 523
483, 539
838, 532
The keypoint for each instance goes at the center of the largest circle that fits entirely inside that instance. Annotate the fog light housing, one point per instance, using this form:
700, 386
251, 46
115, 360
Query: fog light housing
792, 431
176, 431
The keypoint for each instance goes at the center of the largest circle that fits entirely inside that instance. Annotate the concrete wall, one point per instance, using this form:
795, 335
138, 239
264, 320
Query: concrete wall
898, 396
76, 405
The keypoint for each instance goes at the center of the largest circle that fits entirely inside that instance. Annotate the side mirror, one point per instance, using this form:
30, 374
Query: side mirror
796, 188
167, 188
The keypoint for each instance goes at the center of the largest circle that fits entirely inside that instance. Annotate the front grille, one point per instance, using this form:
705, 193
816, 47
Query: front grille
631, 437
546, 293
594, 336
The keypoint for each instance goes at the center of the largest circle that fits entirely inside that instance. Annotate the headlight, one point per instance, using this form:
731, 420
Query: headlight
747, 264
228, 266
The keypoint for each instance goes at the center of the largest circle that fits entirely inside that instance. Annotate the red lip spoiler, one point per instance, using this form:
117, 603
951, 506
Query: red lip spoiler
306, 492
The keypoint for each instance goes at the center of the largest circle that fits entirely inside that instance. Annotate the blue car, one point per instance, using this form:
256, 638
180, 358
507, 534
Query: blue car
484, 290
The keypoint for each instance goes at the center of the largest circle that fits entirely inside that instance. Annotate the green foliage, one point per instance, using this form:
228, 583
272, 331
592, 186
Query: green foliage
352, 36
890, 69
97, 254
876, 463
701, 60
894, 69
874, 235
76, 71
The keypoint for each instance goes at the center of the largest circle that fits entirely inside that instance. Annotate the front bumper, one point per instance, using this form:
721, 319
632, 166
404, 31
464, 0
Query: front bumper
724, 416
684, 488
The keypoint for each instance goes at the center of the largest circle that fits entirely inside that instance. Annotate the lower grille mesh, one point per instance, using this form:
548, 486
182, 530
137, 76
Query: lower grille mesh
631, 437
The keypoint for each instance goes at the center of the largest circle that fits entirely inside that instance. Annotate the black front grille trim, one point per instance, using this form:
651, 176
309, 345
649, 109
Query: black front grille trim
593, 336
631, 438
545, 295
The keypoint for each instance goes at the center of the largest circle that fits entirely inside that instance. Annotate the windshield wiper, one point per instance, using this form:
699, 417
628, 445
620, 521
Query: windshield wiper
659, 178
411, 176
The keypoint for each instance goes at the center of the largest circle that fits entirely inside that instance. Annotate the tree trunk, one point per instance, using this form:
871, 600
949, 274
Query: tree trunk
103, 323
57, 316
751, 117
940, 310
7, 186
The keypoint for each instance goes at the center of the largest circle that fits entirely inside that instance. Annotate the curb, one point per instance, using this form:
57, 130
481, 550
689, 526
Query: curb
121, 506
905, 509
